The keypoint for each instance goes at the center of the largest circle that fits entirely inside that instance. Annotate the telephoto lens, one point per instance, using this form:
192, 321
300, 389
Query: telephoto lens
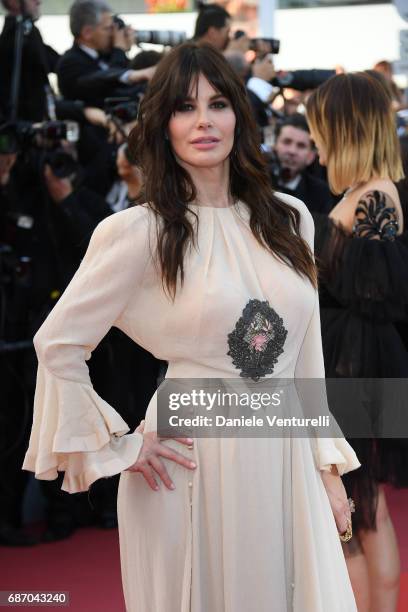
167, 38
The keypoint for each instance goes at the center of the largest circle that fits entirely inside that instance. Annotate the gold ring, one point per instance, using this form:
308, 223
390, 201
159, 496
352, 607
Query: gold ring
348, 534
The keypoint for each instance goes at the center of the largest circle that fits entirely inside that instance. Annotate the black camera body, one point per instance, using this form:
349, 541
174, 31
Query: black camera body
303, 79
274, 44
123, 109
18, 135
118, 21
21, 135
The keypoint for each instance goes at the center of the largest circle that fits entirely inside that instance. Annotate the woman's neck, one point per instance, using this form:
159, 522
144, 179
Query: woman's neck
212, 186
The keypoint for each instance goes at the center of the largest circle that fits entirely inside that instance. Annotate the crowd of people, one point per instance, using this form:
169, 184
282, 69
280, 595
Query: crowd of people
65, 165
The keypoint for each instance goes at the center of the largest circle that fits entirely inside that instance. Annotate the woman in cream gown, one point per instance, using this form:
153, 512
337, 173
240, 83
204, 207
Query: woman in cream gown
251, 527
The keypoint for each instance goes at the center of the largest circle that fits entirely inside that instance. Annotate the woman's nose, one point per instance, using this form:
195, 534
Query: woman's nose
203, 120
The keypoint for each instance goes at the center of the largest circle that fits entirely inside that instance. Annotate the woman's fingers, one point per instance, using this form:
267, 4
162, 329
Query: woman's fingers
342, 523
148, 473
342, 516
338, 500
186, 441
159, 467
173, 455
150, 464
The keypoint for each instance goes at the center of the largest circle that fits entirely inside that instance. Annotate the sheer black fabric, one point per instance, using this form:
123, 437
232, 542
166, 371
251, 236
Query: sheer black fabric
364, 304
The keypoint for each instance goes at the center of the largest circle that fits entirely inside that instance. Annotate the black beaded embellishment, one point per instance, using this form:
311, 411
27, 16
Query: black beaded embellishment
374, 218
257, 340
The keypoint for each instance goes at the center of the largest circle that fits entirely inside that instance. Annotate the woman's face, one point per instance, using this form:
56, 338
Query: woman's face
201, 132
321, 149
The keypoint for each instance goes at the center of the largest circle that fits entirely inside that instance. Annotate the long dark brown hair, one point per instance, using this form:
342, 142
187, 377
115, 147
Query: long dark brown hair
168, 188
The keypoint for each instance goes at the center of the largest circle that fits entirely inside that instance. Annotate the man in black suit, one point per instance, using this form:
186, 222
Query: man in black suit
294, 154
37, 61
96, 66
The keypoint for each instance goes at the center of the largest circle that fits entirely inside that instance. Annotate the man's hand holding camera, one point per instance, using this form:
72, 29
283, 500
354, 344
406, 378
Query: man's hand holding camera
123, 38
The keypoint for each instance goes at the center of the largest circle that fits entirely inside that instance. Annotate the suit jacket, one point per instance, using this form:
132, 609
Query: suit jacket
261, 111
38, 60
80, 76
314, 192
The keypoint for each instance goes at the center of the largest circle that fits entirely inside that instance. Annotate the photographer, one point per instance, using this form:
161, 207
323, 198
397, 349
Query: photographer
257, 77
96, 66
260, 91
213, 26
46, 219
37, 61
28, 281
294, 153
74, 216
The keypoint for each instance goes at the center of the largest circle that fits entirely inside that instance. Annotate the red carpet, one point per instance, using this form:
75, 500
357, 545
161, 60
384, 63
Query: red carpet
87, 565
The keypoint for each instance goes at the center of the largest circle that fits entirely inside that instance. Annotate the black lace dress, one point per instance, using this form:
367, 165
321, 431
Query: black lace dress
364, 305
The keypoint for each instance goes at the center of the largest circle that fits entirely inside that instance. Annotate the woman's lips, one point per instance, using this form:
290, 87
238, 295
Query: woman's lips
205, 144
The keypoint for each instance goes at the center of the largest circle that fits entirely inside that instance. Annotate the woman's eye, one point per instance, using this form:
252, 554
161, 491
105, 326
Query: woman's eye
219, 104
185, 107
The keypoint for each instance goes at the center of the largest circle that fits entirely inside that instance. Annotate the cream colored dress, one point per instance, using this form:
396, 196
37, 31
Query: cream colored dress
251, 529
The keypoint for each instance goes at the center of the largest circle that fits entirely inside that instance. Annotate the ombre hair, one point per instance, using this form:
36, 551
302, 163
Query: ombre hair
352, 116
169, 189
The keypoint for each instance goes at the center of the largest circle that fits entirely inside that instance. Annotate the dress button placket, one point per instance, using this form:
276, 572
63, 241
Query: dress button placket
190, 492
190, 482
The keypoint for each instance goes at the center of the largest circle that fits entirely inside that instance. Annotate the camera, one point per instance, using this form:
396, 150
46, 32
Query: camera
302, 79
258, 45
118, 21
167, 38
62, 164
123, 109
18, 135
21, 136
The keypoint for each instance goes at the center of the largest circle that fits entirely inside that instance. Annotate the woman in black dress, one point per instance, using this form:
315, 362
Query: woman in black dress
363, 255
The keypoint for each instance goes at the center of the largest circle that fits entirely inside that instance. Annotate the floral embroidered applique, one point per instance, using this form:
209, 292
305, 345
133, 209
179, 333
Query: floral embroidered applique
257, 340
376, 217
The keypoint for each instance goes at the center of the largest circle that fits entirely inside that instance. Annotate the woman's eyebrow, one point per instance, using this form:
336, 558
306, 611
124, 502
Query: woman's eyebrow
214, 97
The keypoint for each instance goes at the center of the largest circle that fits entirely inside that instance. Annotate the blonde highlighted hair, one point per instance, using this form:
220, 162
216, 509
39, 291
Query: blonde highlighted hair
351, 114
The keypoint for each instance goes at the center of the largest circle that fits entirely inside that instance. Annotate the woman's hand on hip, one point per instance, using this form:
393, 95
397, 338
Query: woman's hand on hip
149, 461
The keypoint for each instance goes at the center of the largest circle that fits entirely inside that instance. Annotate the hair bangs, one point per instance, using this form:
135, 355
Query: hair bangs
185, 81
